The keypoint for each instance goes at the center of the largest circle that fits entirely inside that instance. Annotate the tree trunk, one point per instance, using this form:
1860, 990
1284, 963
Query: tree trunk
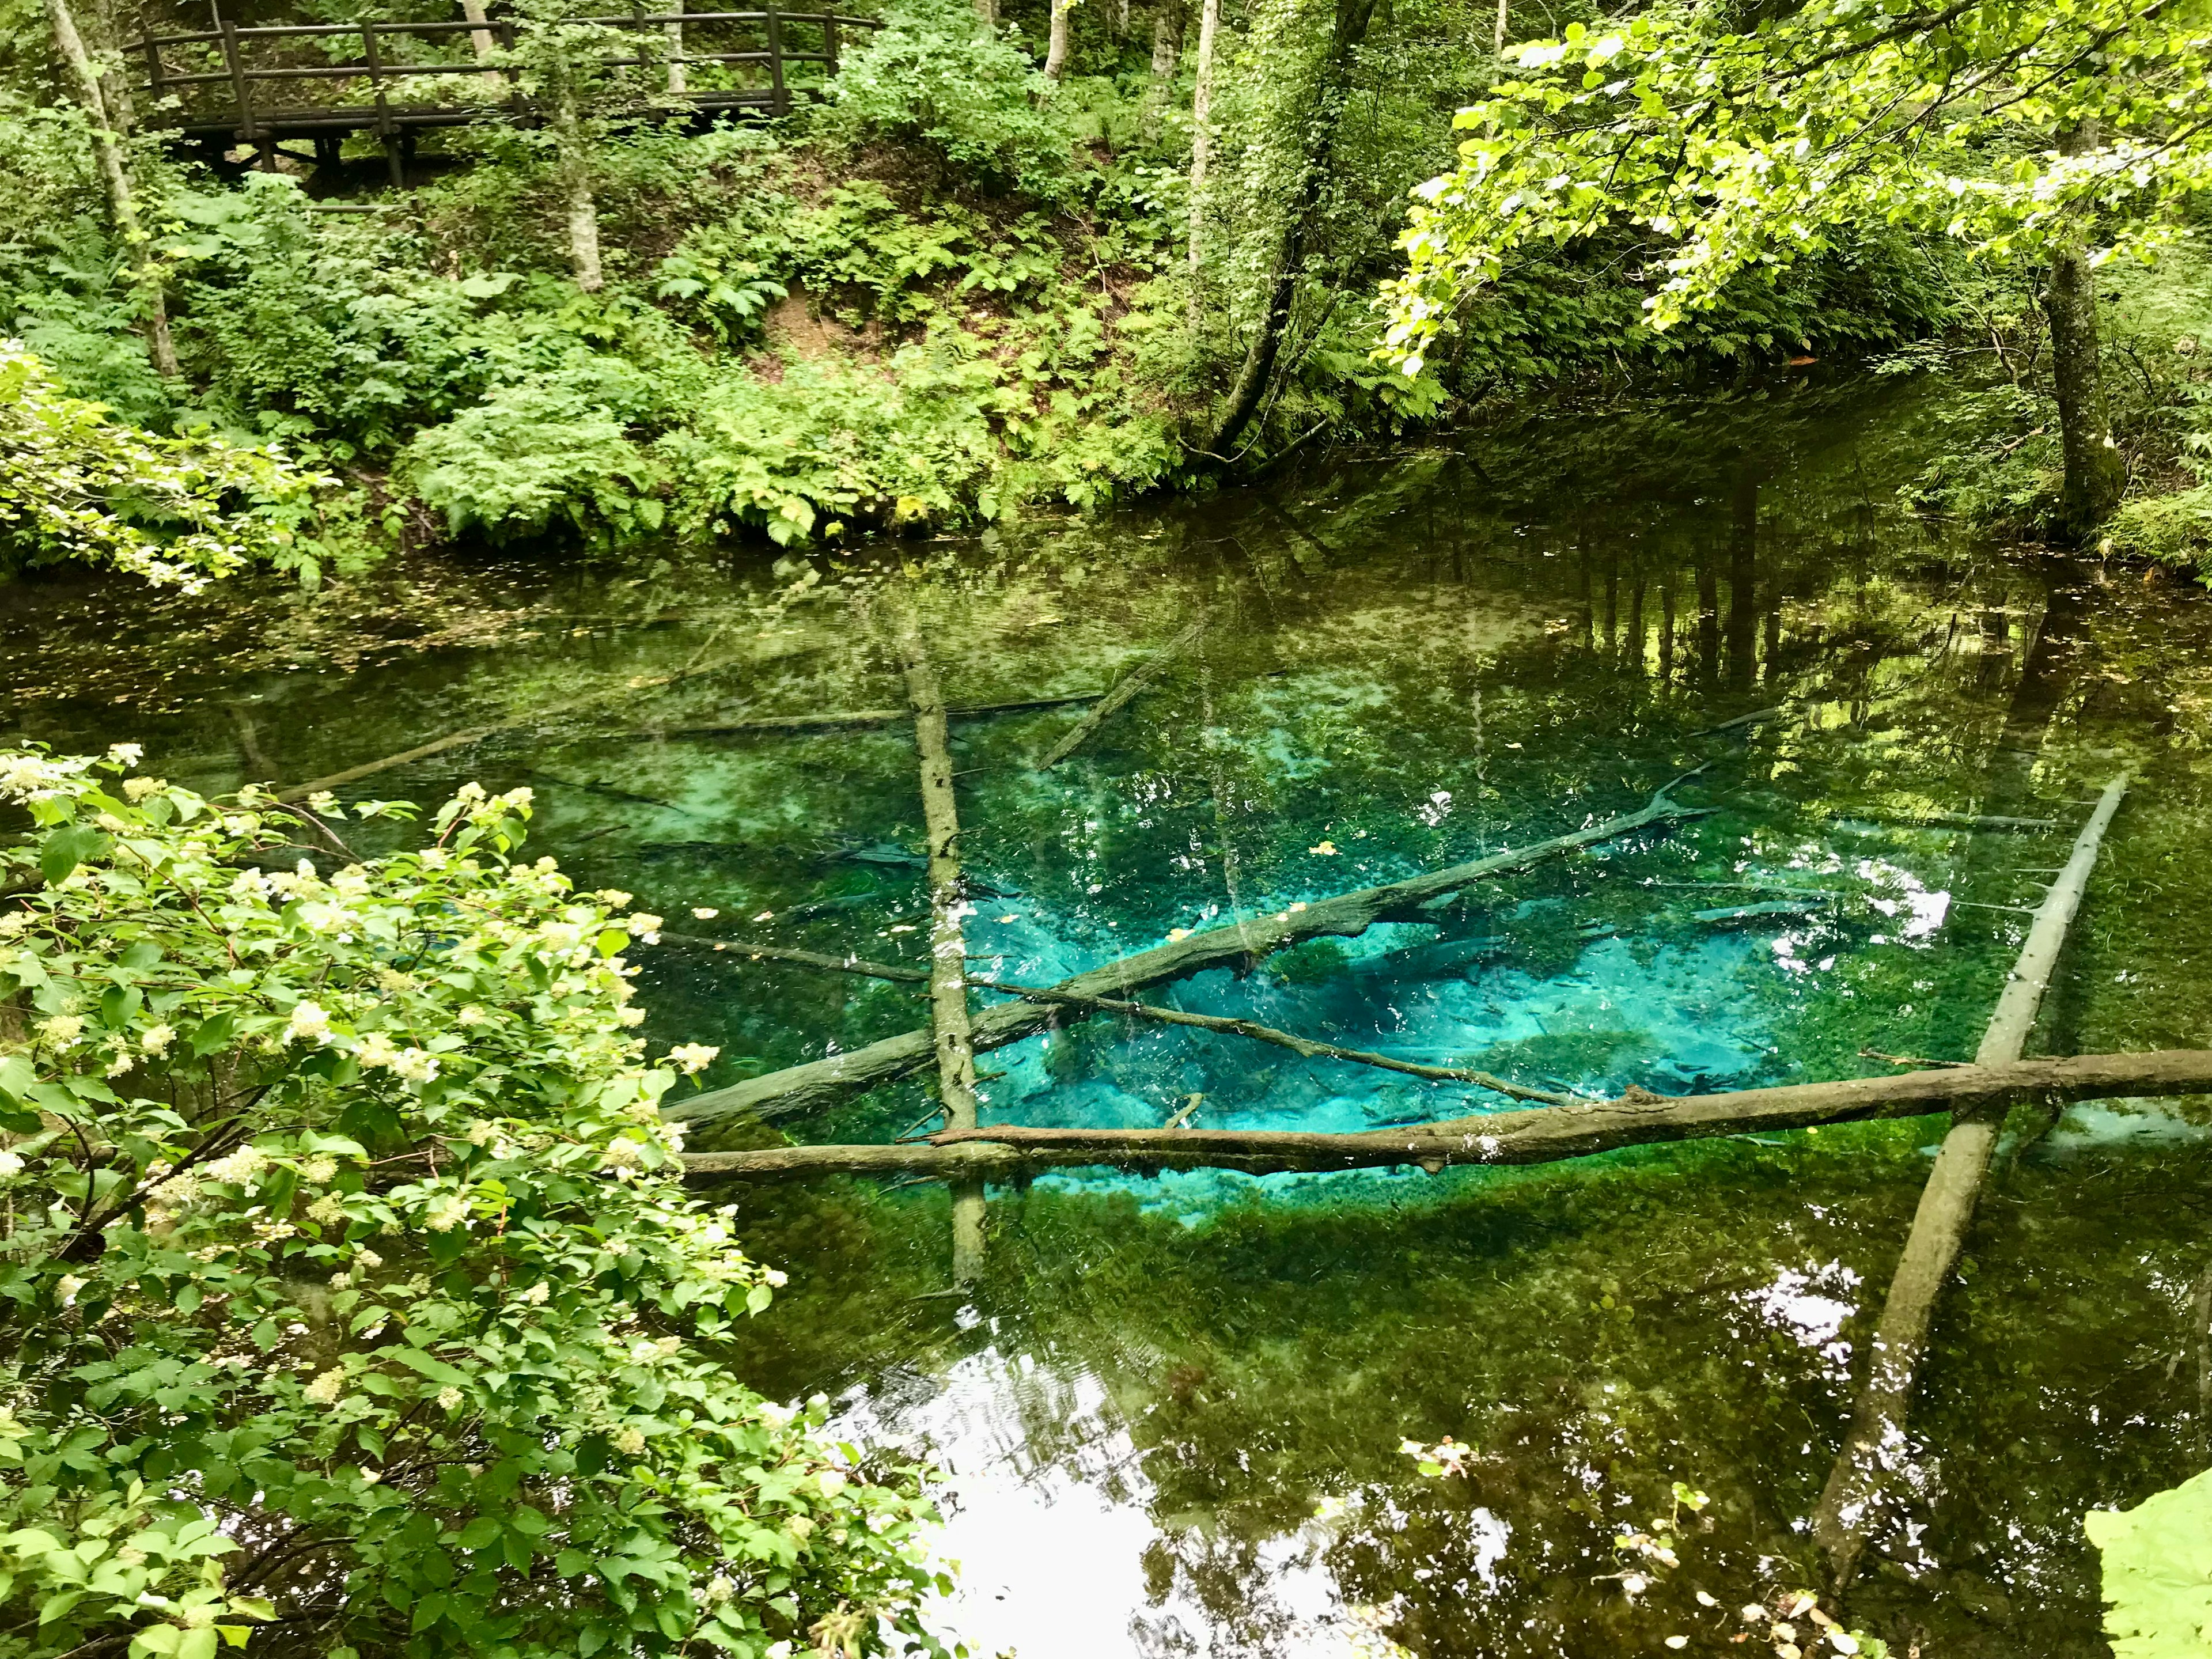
1201, 142
2095, 474
678, 83
480, 36
576, 186
1167, 50
1498, 43
115, 176
988, 11
1306, 201
1055, 51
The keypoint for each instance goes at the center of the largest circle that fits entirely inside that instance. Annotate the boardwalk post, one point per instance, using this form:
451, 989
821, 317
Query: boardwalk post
266, 159
829, 44
782, 97
156, 76
393, 157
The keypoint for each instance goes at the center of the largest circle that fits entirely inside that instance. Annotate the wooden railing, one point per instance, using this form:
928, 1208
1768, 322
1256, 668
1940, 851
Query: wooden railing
234, 59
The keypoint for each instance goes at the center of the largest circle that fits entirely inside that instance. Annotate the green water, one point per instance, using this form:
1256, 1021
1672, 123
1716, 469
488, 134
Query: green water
1173, 1407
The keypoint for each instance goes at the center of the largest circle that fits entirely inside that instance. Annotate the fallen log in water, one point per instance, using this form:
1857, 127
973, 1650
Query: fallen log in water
1131, 683
1307, 1048
842, 719
1850, 1501
1539, 1135
951, 1039
823, 1082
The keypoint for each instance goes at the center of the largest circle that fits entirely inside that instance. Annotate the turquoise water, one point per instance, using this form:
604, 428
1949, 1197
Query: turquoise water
1174, 1405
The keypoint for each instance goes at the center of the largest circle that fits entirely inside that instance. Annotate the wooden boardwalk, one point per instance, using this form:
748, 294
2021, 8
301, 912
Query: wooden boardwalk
248, 86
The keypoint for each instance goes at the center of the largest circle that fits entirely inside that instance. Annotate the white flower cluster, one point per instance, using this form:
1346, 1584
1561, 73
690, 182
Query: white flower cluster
693, 1058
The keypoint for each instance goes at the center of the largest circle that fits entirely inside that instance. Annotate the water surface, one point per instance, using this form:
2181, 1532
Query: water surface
1174, 1406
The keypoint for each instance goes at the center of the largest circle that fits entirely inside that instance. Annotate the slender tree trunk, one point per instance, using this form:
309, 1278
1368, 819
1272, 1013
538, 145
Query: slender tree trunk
1352, 18
1055, 51
1201, 142
1167, 50
480, 35
1118, 17
115, 175
678, 83
1498, 44
576, 186
2095, 474
988, 11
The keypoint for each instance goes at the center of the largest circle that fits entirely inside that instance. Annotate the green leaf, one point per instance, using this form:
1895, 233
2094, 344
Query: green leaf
67, 847
155, 1638
199, 1644
2158, 1572
479, 1532
213, 1034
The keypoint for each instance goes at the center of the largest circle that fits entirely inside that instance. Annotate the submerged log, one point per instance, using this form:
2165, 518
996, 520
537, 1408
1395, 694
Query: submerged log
1853, 1499
850, 718
953, 1040
1239, 946
1307, 1048
1539, 1135
476, 734
1122, 693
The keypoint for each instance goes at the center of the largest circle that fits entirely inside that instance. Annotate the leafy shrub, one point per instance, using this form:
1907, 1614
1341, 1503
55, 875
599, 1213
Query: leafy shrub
934, 79
2174, 529
351, 1278
530, 454
75, 484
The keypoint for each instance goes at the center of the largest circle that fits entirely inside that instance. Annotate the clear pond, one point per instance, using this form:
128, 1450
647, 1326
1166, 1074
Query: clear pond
1174, 1406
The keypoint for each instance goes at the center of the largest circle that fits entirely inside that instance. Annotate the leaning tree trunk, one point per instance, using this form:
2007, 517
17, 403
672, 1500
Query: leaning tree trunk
1055, 51
1306, 204
577, 186
480, 36
115, 177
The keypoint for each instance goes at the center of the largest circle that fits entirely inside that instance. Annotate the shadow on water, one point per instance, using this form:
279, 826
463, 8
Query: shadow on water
1174, 1407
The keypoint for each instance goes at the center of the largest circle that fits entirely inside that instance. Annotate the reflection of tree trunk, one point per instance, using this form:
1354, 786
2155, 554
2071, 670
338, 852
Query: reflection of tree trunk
1612, 606
108, 135
1743, 581
1666, 625
1709, 618
1307, 201
1636, 614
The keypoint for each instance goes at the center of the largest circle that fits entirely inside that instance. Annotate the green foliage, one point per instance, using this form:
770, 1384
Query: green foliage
2157, 1572
531, 454
75, 484
1741, 150
936, 80
362, 1270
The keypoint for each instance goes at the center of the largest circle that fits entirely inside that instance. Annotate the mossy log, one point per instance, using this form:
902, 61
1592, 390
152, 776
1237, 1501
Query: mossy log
1542, 1134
